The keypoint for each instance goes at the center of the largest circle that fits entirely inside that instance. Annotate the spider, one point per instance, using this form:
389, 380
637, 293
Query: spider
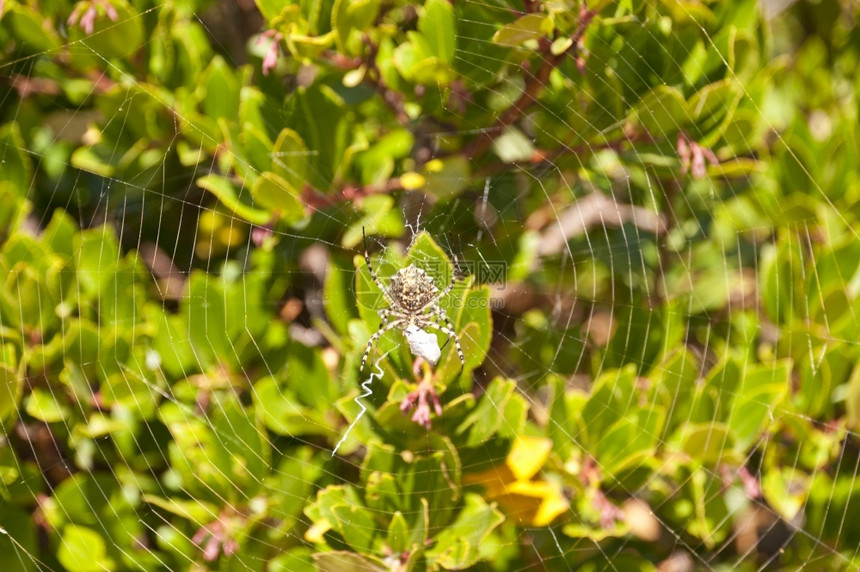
412, 301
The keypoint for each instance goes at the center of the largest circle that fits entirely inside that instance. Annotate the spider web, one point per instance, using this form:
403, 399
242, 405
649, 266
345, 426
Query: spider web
598, 280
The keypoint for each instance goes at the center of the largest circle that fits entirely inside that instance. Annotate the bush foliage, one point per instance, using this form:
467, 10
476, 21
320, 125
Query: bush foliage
667, 374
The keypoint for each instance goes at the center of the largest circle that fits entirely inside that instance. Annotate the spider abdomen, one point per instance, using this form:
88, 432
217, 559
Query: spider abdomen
412, 288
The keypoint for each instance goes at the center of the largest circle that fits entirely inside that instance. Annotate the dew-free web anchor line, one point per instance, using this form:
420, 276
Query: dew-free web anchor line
365, 385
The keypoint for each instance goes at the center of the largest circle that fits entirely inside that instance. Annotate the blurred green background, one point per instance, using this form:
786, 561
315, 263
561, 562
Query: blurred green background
653, 208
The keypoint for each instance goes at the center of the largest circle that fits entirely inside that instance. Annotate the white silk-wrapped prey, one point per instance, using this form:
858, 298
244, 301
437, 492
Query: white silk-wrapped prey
423, 344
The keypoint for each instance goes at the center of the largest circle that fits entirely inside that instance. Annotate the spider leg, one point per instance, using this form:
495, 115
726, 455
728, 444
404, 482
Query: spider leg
435, 315
385, 314
447, 289
448, 330
450, 286
373, 274
388, 325
443, 316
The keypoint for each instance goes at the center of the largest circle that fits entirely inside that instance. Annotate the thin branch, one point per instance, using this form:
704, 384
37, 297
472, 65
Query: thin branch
551, 156
318, 200
535, 82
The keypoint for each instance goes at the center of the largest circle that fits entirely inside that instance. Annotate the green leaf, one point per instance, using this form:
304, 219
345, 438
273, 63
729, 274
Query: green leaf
254, 152
405, 57
484, 421
319, 115
83, 550
112, 40
308, 376
565, 408
30, 299
121, 297
421, 524
530, 27
100, 425
17, 166
458, 545
711, 109
477, 325
398, 533
298, 560
18, 539
515, 415
198, 512
708, 443
59, 234
199, 461
786, 489
350, 16
447, 177
45, 406
426, 254
27, 24
205, 314
628, 442
380, 219
512, 146
275, 193
342, 561
719, 390
322, 509
356, 526
10, 393
439, 27
610, 400
271, 9
339, 295
383, 494
290, 159
81, 498
13, 207
23, 248
96, 258
294, 482
640, 335
283, 413
244, 444
852, 402
377, 163
203, 134
220, 90
170, 344
710, 520
598, 534
253, 110
436, 478
758, 395
237, 200
662, 111
819, 374
675, 385
76, 380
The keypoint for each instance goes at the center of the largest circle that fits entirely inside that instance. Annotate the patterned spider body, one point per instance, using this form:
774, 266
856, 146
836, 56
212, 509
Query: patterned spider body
412, 301
412, 289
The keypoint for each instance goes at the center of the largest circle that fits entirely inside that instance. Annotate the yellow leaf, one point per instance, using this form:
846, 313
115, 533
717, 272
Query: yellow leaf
317, 531
495, 481
434, 165
527, 456
549, 500
412, 181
